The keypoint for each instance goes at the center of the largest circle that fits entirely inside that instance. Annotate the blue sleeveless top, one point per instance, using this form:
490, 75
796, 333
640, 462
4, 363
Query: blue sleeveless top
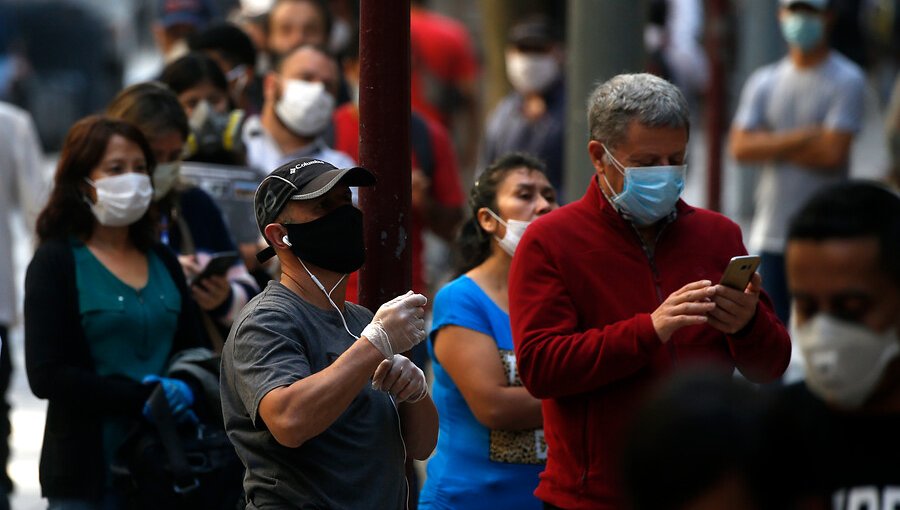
474, 467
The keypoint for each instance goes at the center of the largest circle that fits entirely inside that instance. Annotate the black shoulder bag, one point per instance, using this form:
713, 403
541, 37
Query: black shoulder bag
177, 466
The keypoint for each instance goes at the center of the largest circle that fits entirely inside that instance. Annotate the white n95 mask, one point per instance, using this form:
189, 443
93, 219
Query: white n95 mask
515, 229
844, 361
305, 107
121, 199
164, 177
531, 72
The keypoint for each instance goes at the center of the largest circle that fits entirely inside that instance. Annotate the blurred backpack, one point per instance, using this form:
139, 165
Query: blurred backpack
169, 465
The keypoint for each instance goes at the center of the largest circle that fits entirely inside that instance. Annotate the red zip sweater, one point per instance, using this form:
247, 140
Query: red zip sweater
581, 291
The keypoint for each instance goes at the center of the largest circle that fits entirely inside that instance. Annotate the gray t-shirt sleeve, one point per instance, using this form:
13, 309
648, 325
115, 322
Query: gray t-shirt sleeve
751, 110
271, 354
845, 113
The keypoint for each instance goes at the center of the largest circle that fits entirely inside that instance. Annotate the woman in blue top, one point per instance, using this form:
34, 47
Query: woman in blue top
490, 445
105, 308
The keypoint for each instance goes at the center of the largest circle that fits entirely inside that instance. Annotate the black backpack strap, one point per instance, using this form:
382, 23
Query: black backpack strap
185, 481
420, 139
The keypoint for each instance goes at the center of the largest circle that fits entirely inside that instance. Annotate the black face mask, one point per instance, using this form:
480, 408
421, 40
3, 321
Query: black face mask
333, 242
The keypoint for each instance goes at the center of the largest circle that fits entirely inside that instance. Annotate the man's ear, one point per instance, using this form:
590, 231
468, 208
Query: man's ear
597, 155
270, 86
276, 234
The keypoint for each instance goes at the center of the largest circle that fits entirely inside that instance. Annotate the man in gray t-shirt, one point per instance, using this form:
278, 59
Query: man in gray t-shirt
320, 408
797, 117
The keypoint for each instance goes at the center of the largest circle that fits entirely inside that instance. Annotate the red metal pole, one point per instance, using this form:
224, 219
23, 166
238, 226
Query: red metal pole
716, 104
384, 110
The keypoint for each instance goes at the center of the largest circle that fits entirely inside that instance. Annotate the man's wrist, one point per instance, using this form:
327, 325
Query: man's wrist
374, 344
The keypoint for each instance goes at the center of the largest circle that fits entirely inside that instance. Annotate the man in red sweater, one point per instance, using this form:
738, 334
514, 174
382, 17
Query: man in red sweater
612, 292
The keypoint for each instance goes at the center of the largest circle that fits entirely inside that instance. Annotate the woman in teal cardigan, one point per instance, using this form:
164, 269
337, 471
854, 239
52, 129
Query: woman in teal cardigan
105, 308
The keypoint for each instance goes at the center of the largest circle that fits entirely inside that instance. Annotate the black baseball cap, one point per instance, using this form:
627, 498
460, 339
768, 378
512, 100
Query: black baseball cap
534, 32
300, 179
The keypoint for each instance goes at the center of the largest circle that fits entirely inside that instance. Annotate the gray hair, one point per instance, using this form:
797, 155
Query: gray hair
650, 100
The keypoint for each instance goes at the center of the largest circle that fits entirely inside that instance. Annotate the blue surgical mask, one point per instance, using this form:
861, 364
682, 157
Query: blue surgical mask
802, 30
649, 193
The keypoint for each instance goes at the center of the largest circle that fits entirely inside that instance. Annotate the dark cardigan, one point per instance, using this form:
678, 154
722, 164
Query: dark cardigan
60, 369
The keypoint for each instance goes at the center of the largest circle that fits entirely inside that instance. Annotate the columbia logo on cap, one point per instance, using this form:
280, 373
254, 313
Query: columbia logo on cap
305, 164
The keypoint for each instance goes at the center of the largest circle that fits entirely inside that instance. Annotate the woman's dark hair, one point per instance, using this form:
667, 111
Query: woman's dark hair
152, 107
191, 70
67, 212
232, 43
474, 243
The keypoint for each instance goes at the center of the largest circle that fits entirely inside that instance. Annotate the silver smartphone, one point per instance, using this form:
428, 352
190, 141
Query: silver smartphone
739, 271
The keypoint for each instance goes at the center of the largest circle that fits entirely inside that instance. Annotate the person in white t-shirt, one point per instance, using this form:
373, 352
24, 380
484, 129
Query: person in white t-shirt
797, 118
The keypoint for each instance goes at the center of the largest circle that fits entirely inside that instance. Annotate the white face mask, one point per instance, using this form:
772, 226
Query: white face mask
164, 178
515, 229
121, 199
844, 361
531, 72
305, 107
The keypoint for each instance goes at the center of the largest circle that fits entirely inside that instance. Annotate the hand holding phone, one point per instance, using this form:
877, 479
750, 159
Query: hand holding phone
218, 265
739, 271
735, 300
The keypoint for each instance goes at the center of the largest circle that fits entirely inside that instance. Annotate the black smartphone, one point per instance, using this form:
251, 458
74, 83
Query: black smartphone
218, 265
739, 271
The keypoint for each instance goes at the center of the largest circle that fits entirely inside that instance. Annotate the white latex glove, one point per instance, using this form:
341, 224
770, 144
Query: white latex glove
401, 378
398, 325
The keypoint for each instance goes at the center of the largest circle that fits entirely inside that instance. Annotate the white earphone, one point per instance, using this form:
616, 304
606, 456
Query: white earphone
285, 240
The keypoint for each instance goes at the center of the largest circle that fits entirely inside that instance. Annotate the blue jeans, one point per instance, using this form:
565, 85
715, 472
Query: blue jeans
771, 268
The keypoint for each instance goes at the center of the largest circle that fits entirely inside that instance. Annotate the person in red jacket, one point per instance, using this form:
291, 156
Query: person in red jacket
616, 290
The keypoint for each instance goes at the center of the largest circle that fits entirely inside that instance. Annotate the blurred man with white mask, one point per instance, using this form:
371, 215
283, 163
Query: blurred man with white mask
796, 119
531, 118
299, 98
840, 424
